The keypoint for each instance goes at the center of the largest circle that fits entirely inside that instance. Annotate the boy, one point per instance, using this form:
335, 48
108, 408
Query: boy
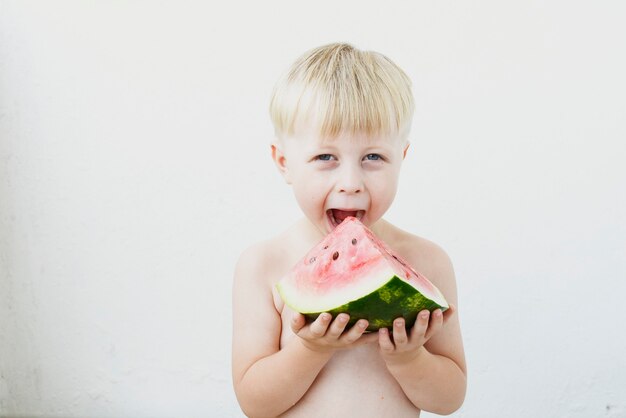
342, 118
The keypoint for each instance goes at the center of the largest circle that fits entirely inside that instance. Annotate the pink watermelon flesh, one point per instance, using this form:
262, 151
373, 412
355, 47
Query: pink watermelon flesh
353, 271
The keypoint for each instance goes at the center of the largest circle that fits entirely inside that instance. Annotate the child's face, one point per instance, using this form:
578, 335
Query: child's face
351, 175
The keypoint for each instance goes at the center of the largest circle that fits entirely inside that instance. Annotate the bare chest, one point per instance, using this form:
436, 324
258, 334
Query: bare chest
355, 382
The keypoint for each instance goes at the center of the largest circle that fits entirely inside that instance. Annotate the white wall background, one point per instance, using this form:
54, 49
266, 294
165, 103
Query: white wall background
134, 168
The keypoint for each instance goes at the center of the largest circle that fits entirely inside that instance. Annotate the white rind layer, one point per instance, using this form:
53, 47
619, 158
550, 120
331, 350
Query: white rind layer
311, 303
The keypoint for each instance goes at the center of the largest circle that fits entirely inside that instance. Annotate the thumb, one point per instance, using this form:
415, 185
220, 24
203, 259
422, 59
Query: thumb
297, 322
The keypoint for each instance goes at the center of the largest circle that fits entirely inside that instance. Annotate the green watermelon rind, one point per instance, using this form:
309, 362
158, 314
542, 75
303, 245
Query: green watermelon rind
394, 299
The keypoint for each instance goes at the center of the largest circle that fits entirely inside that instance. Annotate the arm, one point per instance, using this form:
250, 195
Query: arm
268, 380
429, 362
432, 380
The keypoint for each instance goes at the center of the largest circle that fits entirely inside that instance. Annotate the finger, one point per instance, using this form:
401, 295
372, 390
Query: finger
436, 323
399, 332
355, 332
421, 325
297, 322
320, 325
384, 341
338, 325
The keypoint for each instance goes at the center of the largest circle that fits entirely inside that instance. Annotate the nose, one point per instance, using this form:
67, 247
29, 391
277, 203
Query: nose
350, 181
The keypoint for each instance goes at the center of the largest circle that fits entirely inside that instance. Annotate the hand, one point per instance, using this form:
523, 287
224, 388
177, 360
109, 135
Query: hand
326, 335
402, 348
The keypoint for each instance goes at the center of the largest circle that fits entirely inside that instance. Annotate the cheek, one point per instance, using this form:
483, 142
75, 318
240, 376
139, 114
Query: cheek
383, 189
385, 183
309, 189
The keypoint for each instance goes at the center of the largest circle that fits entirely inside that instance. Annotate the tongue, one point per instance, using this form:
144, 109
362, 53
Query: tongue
341, 215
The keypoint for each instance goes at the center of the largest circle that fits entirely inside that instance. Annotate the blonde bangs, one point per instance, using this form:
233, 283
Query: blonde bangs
338, 89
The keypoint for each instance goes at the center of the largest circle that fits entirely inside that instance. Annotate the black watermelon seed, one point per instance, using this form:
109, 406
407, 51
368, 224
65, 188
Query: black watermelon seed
335, 255
326, 247
353, 241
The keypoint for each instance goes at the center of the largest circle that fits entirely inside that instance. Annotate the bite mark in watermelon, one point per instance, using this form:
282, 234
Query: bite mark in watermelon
353, 271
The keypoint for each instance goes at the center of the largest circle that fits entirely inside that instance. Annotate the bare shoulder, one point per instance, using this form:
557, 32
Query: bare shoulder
425, 256
258, 268
258, 257
270, 259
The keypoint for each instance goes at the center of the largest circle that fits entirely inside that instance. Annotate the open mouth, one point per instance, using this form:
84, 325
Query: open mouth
337, 216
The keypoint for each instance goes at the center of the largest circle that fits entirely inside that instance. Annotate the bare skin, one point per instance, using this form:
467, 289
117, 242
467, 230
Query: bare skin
284, 367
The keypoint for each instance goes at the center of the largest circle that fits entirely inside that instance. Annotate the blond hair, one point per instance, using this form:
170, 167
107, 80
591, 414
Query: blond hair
340, 89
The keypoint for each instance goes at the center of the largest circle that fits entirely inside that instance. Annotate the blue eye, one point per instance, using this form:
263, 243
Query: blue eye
324, 157
373, 157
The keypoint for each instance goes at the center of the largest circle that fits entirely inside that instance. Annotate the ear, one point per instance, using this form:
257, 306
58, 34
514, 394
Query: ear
281, 161
406, 148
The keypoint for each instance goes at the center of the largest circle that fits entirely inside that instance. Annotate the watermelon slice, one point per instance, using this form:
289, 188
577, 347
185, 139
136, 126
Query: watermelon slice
353, 271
